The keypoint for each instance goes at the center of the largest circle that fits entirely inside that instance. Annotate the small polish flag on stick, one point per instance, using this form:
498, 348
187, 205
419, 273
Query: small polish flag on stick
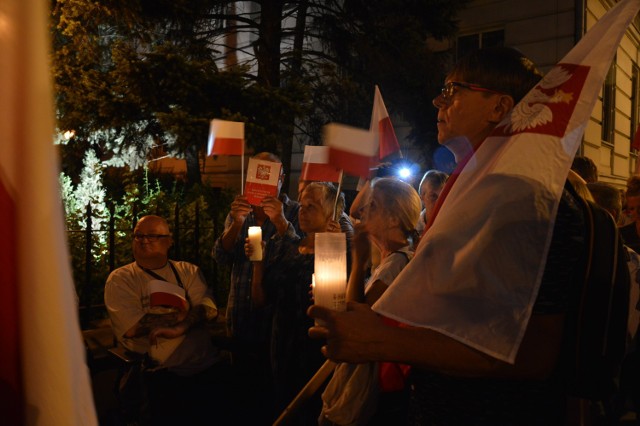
226, 137
382, 127
316, 167
351, 149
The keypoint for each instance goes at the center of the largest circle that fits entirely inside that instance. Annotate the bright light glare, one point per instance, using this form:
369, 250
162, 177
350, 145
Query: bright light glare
404, 173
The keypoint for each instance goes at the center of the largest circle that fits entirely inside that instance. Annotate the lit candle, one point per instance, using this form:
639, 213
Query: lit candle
255, 238
330, 270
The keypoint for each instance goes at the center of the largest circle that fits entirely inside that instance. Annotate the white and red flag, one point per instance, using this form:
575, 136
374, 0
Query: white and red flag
353, 150
44, 377
226, 138
478, 268
163, 293
316, 167
382, 127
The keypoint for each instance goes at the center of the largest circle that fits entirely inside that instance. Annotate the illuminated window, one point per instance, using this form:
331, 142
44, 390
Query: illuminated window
635, 100
609, 105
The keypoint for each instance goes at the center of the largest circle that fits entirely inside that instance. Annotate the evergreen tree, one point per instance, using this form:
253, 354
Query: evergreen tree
160, 70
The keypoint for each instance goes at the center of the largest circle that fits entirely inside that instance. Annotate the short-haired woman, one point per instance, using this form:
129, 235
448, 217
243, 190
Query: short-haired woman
281, 282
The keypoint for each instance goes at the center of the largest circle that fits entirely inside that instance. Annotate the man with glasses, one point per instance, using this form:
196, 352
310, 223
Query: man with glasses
158, 308
455, 380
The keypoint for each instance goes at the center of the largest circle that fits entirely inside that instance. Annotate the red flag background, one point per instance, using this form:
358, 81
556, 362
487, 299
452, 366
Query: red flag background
44, 378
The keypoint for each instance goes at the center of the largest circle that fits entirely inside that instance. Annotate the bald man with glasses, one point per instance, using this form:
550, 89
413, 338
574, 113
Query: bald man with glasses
159, 308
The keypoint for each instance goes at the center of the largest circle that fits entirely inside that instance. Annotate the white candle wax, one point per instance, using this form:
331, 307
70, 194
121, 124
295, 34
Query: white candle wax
255, 238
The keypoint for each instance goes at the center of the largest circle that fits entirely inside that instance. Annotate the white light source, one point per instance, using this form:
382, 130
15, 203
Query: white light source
255, 238
404, 173
330, 270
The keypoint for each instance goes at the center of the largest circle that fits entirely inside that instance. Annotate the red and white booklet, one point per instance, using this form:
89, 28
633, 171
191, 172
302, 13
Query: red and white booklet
262, 180
166, 294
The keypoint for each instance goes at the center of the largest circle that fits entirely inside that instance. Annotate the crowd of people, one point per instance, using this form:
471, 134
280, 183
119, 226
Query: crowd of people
388, 371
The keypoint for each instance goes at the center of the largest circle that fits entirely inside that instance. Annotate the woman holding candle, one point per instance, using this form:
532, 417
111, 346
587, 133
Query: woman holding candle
282, 279
388, 220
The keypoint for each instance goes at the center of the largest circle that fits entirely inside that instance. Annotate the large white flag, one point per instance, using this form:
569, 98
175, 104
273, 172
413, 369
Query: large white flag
44, 378
477, 271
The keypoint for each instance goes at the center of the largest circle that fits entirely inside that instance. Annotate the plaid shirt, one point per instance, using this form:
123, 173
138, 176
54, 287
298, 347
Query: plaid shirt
243, 321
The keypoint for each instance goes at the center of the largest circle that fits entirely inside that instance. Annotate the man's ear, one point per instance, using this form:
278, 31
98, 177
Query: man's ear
502, 107
280, 182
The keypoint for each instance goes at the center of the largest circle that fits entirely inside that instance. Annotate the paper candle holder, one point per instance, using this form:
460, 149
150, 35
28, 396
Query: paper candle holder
330, 270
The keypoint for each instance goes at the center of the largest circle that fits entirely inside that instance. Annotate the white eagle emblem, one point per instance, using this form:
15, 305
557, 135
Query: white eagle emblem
532, 111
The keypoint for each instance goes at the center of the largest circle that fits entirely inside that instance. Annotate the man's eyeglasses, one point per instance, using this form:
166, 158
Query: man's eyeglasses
152, 238
449, 89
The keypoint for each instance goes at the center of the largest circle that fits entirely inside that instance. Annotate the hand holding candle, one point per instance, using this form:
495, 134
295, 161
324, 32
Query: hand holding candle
255, 238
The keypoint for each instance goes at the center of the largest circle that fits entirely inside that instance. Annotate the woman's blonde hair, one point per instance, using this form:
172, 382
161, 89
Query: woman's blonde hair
400, 200
329, 193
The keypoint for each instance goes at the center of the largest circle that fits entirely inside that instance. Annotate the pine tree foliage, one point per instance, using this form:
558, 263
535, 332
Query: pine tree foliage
145, 70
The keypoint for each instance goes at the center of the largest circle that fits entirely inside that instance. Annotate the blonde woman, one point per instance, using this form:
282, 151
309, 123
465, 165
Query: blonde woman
388, 221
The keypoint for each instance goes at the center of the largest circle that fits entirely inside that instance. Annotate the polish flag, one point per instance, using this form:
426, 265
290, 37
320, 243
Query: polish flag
226, 137
475, 277
44, 378
163, 293
382, 127
316, 167
353, 150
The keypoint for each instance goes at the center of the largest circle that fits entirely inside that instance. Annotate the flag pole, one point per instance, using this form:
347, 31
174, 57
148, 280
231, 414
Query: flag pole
242, 170
335, 204
306, 392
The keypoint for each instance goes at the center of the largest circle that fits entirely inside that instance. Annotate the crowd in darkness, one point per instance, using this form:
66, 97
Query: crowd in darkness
387, 371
